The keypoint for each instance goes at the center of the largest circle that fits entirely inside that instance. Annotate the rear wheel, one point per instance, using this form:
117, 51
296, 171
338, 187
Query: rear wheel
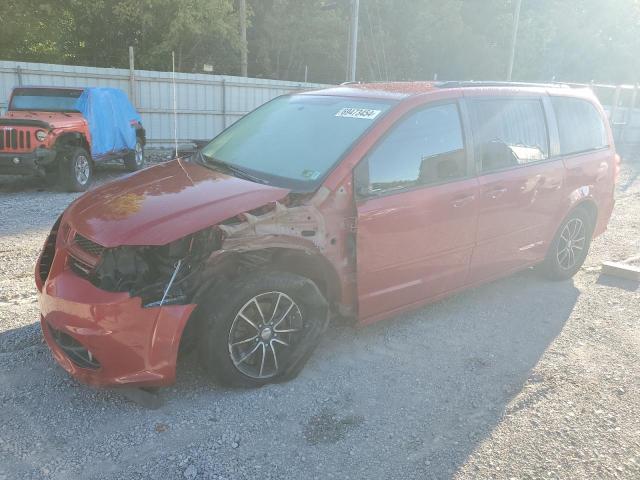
570, 246
75, 169
135, 160
262, 328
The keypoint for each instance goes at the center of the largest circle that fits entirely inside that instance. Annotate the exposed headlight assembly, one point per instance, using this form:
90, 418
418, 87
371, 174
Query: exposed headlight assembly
160, 275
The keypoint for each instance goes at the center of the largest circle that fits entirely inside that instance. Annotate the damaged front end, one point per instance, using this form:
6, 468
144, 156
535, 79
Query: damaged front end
159, 275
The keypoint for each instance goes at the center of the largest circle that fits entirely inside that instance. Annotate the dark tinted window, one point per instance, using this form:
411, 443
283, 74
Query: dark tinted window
424, 148
508, 132
45, 99
579, 124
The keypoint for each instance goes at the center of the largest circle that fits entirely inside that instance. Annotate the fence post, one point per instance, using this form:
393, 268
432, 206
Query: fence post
630, 114
634, 98
224, 104
19, 74
132, 79
614, 104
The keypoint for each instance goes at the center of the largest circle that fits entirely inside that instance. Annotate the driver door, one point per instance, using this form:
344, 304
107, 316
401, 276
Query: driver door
417, 213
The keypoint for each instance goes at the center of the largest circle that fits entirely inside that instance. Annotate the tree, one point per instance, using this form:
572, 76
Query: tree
580, 41
399, 39
286, 35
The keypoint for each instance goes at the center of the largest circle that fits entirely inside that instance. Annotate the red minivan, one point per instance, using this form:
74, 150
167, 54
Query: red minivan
363, 200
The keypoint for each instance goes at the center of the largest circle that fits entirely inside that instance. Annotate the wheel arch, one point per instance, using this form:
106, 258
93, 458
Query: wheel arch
73, 139
300, 261
141, 134
589, 206
586, 207
226, 266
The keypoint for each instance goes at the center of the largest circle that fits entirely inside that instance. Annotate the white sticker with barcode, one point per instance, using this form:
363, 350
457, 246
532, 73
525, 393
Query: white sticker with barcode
365, 113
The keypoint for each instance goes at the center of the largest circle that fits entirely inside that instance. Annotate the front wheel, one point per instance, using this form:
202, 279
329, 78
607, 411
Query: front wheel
262, 328
134, 160
570, 246
75, 170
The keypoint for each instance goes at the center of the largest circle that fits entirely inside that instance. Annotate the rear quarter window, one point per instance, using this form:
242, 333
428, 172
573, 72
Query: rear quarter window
580, 125
508, 132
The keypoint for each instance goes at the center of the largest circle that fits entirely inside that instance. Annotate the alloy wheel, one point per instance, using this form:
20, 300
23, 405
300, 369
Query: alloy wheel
82, 169
263, 332
571, 244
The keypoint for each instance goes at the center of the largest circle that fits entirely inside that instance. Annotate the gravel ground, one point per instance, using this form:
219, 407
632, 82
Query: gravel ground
520, 378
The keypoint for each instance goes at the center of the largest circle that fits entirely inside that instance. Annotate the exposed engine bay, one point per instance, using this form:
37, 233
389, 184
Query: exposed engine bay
160, 275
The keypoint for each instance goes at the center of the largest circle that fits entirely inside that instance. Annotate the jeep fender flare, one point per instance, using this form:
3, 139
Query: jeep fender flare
72, 139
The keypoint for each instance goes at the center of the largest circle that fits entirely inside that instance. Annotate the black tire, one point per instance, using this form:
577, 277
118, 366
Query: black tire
75, 169
566, 252
222, 326
135, 160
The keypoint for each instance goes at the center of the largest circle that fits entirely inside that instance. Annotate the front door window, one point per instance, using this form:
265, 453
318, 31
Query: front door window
425, 148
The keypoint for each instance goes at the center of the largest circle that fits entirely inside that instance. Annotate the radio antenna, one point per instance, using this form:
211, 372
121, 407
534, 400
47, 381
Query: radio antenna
175, 110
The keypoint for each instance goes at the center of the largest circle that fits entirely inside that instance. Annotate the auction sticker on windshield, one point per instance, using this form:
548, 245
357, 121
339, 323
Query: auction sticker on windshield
366, 113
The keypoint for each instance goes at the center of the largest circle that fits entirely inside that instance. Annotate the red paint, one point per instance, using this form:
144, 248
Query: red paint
60, 123
411, 247
163, 203
514, 209
437, 225
133, 344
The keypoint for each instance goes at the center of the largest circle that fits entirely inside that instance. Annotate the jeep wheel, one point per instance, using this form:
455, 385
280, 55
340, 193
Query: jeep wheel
262, 328
76, 170
135, 160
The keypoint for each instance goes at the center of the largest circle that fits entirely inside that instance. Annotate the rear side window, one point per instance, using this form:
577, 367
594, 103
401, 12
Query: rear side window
508, 132
424, 148
580, 125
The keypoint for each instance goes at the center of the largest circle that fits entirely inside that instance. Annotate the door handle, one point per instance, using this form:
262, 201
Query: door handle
462, 201
552, 183
496, 192
532, 185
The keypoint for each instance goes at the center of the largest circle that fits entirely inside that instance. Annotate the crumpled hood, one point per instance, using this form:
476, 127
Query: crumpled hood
54, 119
164, 203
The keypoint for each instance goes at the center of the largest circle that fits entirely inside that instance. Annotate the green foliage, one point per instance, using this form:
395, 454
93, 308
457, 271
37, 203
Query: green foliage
570, 40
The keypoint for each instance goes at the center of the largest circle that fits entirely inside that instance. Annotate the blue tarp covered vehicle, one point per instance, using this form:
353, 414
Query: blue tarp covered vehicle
62, 131
111, 118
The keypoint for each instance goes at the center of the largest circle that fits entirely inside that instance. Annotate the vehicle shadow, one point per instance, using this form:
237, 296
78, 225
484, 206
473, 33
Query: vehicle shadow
414, 395
429, 386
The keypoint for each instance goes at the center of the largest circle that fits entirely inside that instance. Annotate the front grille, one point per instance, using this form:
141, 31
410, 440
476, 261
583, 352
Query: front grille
48, 252
92, 248
79, 267
15, 139
78, 354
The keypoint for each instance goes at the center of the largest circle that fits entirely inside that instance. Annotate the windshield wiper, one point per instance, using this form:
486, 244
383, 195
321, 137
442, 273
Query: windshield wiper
226, 167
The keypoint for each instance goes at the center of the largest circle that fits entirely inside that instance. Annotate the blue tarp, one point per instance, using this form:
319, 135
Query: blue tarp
109, 114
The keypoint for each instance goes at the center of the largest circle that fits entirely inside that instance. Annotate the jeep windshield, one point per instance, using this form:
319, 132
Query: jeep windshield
293, 141
45, 99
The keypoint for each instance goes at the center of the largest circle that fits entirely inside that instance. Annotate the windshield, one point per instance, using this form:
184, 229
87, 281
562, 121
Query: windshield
294, 141
45, 99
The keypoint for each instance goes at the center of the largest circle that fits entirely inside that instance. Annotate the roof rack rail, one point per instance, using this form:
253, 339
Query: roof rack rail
484, 83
